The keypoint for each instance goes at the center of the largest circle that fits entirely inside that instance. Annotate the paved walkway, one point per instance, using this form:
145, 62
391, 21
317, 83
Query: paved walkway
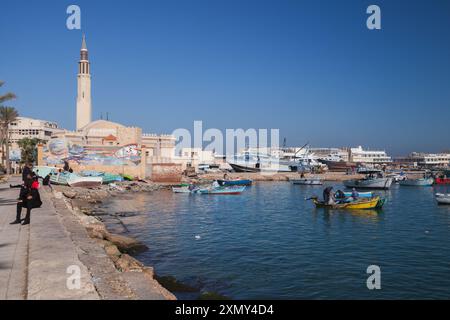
54, 258
13, 247
38, 260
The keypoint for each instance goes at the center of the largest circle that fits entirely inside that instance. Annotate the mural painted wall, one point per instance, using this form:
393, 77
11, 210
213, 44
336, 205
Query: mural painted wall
59, 150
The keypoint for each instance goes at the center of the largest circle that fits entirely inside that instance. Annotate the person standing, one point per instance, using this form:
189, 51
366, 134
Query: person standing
26, 171
29, 198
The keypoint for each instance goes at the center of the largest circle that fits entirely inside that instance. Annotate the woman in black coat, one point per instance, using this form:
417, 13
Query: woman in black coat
29, 198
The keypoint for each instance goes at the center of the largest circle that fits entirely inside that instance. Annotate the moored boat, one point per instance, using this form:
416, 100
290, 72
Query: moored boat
443, 198
306, 181
359, 204
237, 182
442, 181
223, 190
339, 165
79, 181
360, 194
60, 178
370, 181
181, 189
423, 182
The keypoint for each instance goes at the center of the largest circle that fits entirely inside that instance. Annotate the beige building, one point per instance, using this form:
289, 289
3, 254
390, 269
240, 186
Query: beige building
25, 127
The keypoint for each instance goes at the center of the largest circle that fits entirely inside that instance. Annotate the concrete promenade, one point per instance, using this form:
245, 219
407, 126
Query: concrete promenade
34, 259
54, 258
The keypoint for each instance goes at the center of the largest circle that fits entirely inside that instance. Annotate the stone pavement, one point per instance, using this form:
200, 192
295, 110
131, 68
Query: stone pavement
13, 247
50, 257
35, 259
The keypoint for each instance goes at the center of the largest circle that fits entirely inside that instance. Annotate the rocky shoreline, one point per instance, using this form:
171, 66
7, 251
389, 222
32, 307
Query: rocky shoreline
88, 205
82, 202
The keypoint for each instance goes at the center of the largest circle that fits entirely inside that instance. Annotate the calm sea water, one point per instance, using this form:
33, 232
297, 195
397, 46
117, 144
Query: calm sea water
269, 243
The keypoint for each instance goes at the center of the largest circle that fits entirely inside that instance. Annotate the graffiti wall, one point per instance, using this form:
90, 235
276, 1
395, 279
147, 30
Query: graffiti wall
59, 150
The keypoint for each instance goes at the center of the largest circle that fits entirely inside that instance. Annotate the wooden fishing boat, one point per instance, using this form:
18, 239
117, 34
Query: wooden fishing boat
423, 182
305, 181
360, 204
238, 182
443, 198
442, 181
223, 190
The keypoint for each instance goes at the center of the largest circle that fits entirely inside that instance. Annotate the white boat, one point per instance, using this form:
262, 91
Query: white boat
443, 198
397, 176
423, 182
250, 162
305, 181
183, 189
79, 181
72, 179
369, 182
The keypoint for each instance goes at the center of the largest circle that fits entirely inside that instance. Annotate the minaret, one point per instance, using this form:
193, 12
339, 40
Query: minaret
84, 88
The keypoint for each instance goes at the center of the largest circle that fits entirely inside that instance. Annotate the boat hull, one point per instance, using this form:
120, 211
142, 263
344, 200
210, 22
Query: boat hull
86, 182
442, 181
181, 190
443, 198
223, 190
376, 183
339, 166
417, 182
239, 168
310, 182
242, 182
360, 194
273, 168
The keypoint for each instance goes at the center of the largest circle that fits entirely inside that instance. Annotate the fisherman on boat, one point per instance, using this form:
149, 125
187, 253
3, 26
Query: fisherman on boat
355, 194
328, 196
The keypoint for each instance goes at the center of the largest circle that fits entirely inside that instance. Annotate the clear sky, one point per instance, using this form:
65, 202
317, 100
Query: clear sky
310, 68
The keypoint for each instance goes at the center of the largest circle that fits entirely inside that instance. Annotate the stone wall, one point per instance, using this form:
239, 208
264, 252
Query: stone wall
164, 172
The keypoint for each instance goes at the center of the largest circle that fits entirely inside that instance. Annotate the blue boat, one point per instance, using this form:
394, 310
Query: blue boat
360, 194
240, 182
222, 190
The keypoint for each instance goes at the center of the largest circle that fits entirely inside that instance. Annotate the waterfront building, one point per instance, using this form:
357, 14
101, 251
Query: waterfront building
425, 159
24, 127
360, 155
193, 157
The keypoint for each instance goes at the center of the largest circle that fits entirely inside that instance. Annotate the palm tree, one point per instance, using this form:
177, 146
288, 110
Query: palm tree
7, 115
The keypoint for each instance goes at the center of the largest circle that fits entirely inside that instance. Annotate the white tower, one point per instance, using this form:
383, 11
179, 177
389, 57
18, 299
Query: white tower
84, 88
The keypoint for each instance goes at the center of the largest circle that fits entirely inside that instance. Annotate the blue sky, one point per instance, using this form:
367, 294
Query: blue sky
310, 68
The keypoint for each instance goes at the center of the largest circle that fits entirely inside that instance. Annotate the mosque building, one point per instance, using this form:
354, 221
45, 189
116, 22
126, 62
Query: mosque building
98, 142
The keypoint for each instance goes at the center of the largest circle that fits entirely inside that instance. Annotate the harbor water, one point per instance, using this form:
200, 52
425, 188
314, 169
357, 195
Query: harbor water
270, 243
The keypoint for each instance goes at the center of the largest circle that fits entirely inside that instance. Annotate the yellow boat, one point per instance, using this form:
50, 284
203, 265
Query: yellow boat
360, 204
